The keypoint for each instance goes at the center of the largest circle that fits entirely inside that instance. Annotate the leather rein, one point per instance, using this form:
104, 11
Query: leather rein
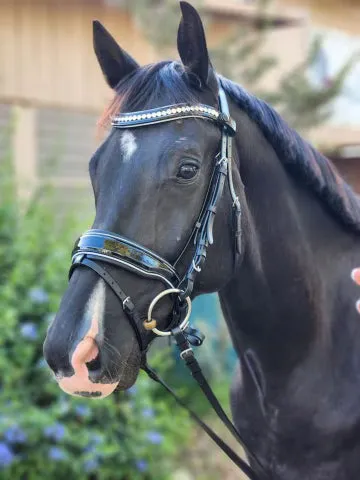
107, 247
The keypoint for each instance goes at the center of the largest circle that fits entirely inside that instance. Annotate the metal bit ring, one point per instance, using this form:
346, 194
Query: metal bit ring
162, 294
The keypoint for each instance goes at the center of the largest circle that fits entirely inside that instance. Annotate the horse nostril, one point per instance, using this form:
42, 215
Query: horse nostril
94, 364
85, 352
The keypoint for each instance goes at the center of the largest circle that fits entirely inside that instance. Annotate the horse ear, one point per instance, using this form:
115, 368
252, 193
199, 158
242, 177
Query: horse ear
115, 63
192, 46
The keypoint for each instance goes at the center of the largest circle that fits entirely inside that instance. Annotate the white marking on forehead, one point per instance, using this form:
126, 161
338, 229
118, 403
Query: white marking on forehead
128, 145
95, 309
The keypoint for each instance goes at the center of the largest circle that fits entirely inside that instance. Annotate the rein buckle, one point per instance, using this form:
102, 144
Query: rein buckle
186, 353
128, 304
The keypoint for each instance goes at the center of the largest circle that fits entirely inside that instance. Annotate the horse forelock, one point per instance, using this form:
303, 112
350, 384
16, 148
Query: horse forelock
150, 86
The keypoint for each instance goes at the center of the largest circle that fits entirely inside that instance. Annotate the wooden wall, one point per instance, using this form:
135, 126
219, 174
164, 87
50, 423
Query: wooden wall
46, 53
50, 77
350, 170
343, 15
52, 89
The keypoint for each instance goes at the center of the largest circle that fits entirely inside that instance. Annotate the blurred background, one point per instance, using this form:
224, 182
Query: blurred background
299, 55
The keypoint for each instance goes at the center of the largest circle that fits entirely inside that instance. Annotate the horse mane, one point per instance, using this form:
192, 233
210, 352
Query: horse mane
299, 157
165, 83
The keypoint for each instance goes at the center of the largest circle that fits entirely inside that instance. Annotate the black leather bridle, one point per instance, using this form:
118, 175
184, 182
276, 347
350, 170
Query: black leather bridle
106, 247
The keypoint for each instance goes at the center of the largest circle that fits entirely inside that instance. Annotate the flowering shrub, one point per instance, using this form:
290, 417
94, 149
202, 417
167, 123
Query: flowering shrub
45, 434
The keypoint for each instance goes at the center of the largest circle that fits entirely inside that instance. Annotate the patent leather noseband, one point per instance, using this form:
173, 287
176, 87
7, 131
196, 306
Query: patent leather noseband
122, 252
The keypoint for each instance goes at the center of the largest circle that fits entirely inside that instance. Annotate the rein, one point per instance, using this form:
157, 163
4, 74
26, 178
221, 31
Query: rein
102, 246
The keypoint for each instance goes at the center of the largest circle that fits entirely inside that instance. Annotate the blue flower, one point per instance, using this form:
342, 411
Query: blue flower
42, 363
56, 453
148, 412
15, 434
38, 295
94, 442
132, 390
29, 330
97, 439
55, 432
142, 465
155, 437
82, 410
64, 405
90, 448
91, 465
7, 456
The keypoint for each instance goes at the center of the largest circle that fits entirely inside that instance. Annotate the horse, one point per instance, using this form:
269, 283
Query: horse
282, 275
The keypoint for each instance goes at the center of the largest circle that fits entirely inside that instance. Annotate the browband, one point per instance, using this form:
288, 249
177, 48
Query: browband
174, 112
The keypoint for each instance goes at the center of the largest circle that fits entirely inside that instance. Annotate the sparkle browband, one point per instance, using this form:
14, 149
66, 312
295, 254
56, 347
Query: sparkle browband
173, 112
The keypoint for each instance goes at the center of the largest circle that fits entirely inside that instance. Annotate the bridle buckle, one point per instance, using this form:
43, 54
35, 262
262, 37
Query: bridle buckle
197, 268
186, 353
236, 203
128, 304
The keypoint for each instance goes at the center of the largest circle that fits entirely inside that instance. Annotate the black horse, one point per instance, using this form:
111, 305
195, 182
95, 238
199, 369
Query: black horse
287, 297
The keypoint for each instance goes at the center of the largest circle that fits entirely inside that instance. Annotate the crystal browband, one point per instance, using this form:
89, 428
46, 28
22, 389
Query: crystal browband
170, 113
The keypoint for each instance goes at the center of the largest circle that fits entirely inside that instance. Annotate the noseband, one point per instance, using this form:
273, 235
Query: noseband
106, 247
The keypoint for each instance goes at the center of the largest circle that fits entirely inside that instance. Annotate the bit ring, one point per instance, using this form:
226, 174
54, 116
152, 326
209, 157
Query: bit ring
158, 297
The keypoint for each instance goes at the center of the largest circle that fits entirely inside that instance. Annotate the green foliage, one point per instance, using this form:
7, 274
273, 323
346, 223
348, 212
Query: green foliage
158, 20
304, 105
241, 56
44, 433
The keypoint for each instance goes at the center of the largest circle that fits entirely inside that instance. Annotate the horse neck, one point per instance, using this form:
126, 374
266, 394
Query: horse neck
281, 302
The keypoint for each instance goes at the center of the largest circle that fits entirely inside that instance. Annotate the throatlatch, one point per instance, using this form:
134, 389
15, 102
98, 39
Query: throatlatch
107, 247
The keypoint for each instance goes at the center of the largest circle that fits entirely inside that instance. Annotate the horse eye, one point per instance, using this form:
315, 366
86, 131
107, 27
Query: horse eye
187, 171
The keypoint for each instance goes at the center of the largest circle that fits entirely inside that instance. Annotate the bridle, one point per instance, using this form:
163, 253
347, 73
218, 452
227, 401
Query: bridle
110, 248
100, 245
